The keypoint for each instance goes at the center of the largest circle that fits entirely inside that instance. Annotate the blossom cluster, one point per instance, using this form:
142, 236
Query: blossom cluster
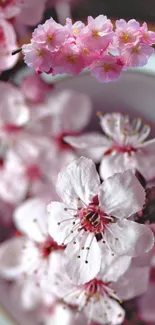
100, 47
83, 242
15, 18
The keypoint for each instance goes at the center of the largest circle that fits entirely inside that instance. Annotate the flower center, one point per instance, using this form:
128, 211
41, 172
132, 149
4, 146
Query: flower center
11, 128
93, 219
126, 149
33, 173
95, 33
48, 247
61, 143
126, 37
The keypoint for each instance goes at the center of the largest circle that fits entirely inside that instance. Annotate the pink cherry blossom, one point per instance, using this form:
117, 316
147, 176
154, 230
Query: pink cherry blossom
36, 56
33, 253
68, 60
147, 37
74, 29
137, 55
123, 147
94, 213
98, 33
127, 33
34, 88
8, 43
51, 34
107, 68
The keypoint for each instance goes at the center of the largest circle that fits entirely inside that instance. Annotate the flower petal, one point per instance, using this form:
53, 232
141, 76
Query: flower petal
31, 219
105, 311
129, 238
113, 267
115, 163
144, 159
13, 108
11, 257
83, 259
60, 223
121, 195
89, 140
79, 180
133, 283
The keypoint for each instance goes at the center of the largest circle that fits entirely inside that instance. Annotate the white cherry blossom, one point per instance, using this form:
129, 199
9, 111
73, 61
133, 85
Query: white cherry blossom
100, 298
122, 147
34, 253
94, 217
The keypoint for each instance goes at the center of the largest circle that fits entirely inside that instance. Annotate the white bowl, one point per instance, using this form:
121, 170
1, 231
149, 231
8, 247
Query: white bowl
133, 93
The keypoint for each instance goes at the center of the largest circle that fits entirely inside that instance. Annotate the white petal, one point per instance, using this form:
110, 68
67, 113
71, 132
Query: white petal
79, 180
82, 265
144, 159
11, 257
61, 314
121, 195
113, 125
129, 238
31, 219
89, 140
13, 186
13, 109
113, 267
60, 223
133, 283
105, 313
115, 163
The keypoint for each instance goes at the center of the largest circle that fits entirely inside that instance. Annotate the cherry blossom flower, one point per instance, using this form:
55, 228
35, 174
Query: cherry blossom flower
127, 33
51, 34
8, 43
100, 298
74, 29
147, 37
137, 55
35, 89
33, 253
123, 147
106, 68
94, 216
68, 59
64, 113
36, 56
98, 33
